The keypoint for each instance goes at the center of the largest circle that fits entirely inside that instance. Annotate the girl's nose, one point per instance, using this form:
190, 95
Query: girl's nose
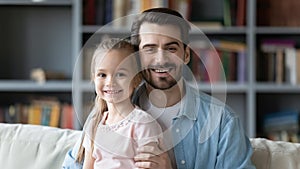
110, 81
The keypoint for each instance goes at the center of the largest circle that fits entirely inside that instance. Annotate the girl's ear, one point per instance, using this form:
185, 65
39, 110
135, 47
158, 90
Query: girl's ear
187, 55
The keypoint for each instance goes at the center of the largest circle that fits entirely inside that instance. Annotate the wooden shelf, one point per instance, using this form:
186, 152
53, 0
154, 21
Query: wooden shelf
32, 86
36, 2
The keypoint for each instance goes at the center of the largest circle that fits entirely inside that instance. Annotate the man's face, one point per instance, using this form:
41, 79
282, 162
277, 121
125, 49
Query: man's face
162, 55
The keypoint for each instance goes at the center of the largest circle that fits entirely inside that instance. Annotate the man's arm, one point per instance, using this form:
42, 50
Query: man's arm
235, 148
151, 157
70, 158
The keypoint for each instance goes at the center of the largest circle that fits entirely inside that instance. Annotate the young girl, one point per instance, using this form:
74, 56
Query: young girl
116, 127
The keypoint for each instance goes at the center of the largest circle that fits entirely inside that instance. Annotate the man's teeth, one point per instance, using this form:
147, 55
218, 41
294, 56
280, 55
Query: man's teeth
161, 70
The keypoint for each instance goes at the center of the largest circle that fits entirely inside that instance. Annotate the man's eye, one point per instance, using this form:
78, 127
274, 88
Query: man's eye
172, 49
150, 50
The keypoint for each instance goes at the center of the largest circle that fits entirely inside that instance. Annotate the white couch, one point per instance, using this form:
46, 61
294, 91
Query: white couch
40, 147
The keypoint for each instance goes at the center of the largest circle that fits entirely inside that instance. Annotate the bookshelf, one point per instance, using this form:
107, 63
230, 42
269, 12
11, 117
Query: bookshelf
251, 99
37, 34
239, 95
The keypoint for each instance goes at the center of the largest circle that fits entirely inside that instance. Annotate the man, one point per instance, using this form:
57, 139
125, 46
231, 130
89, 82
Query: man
204, 132
200, 132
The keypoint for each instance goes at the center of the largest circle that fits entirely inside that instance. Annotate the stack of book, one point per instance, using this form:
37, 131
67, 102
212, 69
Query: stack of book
282, 125
279, 61
223, 61
48, 112
101, 12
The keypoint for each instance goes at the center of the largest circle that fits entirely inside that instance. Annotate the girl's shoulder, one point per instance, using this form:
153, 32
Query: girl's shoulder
140, 114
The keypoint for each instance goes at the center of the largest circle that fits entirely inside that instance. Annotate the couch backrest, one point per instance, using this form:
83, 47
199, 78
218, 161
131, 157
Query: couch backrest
41, 147
34, 147
275, 154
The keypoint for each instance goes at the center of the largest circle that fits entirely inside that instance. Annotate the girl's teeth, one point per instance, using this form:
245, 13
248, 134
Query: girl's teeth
112, 92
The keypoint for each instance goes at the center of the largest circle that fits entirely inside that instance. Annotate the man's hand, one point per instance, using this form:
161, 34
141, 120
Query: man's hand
151, 157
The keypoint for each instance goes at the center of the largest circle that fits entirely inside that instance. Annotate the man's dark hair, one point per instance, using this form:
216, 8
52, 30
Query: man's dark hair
161, 16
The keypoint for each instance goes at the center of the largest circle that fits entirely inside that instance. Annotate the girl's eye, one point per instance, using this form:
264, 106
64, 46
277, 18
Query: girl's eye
101, 75
120, 75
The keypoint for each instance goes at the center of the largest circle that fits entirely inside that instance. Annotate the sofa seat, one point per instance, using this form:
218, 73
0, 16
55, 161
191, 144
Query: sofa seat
41, 147
34, 147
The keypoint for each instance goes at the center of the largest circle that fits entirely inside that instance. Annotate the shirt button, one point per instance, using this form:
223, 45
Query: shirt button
177, 130
182, 162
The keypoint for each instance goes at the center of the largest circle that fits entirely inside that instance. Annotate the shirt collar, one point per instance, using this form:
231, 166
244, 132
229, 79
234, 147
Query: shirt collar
190, 104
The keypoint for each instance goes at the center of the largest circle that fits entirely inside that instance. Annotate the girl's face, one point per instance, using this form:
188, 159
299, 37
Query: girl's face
114, 74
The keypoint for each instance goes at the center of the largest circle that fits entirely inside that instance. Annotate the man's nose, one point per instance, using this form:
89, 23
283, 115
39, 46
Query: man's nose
161, 56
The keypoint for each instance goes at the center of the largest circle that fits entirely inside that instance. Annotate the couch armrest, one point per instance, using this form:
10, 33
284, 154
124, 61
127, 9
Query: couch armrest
34, 147
269, 154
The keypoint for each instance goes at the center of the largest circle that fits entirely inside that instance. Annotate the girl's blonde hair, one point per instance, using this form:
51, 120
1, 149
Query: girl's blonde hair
100, 105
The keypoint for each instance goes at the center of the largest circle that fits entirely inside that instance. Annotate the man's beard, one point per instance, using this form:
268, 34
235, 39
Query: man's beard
160, 83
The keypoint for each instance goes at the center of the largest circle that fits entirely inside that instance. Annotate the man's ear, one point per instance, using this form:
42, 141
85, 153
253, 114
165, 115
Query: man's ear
187, 55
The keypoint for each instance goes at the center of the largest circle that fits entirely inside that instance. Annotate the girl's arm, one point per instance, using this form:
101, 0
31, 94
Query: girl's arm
88, 160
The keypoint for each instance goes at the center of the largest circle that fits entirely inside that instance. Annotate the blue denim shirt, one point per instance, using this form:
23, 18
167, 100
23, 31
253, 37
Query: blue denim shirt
207, 134
210, 135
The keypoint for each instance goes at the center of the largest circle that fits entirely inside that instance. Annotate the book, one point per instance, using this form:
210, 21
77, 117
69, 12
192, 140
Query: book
228, 45
229, 61
241, 13
100, 12
279, 72
195, 65
67, 116
225, 62
213, 65
10, 114
236, 66
89, 12
108, 11
208, 24
241, 67
24, 113
34, 114
278, 13
290, 66
198, 59
207, 11
46, 113
227, 13
120, 8
2, 115
281, 121
298, 65
271, 45
39, 111
184, 7
55, 115
276, 61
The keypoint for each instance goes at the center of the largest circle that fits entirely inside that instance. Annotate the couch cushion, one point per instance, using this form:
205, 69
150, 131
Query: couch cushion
275, 154
34, 147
